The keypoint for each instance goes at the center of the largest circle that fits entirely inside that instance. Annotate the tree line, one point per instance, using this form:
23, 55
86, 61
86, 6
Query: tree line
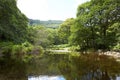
96, 26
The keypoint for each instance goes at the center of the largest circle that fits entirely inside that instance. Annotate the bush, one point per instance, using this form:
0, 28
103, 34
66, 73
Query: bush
24, 51
5, 49
20, 50
74, 48
117, 47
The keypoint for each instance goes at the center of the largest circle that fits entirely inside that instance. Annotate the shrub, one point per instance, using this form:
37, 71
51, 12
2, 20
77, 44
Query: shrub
24, 52
117, 47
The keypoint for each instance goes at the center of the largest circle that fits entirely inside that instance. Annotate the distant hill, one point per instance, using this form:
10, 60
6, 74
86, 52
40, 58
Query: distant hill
49, 23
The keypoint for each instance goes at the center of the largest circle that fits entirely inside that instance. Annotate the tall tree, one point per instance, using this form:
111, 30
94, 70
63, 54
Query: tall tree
64, 30
98, 16
13, 24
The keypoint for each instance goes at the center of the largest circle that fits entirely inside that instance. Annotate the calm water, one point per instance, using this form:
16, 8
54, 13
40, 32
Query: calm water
45, 77
62, 67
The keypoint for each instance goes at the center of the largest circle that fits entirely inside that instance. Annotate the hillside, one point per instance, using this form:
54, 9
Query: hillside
49, 23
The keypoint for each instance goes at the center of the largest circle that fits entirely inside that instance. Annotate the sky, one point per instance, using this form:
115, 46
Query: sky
49, 9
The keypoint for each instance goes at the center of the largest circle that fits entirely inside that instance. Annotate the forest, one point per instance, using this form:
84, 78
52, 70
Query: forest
96, 27
49, 23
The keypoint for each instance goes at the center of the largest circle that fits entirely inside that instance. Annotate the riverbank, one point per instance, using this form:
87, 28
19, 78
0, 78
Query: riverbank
114, 54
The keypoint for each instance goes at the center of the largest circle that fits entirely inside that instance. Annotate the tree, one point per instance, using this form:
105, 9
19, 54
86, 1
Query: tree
13, 24
80, 36
116, 29
105, 14
97, 16
64, 30
40, 35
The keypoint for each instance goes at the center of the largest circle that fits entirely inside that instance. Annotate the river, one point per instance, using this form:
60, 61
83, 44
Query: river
62, 67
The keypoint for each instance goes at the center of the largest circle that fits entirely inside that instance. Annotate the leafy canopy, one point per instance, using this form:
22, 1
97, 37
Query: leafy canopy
13, 24
92, 28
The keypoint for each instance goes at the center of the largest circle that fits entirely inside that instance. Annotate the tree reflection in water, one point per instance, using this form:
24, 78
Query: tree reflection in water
90, 67
83, 67
12, 70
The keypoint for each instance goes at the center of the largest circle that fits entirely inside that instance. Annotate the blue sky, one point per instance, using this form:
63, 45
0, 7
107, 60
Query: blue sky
49, 9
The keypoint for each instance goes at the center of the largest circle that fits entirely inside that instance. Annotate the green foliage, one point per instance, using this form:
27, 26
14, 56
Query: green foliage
48, 24
31, 34
93, 26
74, 48
83, 33
15, 34
56, 37
13, 24
23, 52
64, 30
23, 48
117, 47
60, 47
5, 47
40, 35
43, 36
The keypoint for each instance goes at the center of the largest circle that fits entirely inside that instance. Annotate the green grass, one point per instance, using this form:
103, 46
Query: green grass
59, 47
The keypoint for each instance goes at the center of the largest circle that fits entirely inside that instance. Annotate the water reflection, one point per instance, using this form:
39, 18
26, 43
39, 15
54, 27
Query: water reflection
12, 70
62, 67
90, 67
46, 78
